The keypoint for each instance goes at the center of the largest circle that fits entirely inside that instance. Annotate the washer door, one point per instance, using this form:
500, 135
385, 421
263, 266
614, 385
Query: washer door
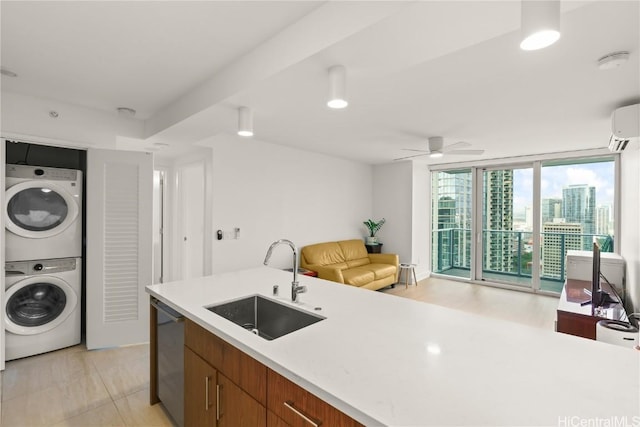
38, 304
36, 210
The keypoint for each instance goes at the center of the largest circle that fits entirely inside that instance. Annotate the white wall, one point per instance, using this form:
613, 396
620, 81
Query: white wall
401, 195
630, 222
393, 188
274, 192
421, 219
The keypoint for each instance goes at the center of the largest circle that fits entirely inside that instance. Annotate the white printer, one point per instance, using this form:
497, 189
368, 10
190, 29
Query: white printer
580, 266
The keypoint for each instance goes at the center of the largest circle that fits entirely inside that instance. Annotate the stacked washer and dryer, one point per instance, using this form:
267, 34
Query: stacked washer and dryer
43, 259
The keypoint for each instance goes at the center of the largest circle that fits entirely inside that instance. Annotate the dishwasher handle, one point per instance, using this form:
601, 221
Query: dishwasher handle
167, 311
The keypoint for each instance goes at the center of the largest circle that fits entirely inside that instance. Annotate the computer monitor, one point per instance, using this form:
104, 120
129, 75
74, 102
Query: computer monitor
596, 297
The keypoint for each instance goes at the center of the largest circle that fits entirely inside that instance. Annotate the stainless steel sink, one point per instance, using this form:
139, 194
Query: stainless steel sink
265, 317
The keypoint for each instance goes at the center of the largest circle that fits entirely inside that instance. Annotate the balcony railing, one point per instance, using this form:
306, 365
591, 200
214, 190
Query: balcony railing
510, 253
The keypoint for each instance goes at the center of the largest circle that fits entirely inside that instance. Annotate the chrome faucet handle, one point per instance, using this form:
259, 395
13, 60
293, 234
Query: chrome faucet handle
295, 290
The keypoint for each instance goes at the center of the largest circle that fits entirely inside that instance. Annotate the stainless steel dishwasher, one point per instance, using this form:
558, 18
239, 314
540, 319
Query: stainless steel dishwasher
170, 343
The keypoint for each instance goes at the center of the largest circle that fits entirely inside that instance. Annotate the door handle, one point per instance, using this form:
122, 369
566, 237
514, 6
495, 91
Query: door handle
314, 423
217, 402
206, 393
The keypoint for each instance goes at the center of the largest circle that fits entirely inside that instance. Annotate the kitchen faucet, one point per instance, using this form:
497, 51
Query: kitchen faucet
295, 287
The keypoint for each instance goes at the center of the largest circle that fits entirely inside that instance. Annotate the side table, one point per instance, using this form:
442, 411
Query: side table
407, 269
374, 249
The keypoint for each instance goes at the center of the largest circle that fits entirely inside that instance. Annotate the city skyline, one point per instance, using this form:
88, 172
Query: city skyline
555, 178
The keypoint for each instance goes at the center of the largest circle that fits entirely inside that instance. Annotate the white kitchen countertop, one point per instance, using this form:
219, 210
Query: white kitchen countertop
387, 360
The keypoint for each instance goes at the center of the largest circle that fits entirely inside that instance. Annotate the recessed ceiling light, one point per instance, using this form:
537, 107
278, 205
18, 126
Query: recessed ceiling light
540, 24
245, 121
613, 60
337, 87
7, 73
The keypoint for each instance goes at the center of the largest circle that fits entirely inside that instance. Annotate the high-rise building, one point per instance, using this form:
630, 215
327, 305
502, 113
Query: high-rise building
579, 207
603, 220
551, 209
557, 239
528, 218
452, 219
498, 219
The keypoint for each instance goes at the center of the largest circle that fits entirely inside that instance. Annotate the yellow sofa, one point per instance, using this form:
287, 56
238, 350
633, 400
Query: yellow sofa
348, 262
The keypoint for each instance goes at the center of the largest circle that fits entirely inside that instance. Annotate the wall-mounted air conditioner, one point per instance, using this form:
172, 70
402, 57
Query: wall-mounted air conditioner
625, 125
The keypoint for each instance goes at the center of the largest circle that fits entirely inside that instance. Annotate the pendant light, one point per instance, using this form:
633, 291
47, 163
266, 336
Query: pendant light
540, 23
245, 121
337, 87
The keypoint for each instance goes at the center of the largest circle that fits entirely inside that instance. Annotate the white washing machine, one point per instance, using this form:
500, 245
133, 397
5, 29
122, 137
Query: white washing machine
42, 306
43, 213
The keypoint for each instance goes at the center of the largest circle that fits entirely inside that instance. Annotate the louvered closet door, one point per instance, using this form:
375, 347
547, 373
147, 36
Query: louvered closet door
119, 247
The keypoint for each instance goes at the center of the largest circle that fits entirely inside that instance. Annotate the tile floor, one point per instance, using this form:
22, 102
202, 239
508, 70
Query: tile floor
76, 387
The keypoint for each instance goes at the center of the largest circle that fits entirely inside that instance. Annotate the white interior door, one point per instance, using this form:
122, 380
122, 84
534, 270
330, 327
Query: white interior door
191, 213
119, 247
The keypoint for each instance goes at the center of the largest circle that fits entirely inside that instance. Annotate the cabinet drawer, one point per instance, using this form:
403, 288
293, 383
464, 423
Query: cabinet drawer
297, 407
249, 374
275, 421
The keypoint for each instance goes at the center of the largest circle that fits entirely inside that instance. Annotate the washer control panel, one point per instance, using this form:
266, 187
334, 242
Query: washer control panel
45, 266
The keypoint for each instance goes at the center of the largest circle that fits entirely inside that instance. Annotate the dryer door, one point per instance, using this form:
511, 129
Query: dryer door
38, 304
37, 210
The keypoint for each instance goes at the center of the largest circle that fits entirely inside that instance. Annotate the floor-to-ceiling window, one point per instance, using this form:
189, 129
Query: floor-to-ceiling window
524, 218
577, 208
451, 215
507, 221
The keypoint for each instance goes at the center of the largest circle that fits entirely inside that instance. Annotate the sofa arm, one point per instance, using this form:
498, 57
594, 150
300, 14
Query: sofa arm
384, 259
328, 273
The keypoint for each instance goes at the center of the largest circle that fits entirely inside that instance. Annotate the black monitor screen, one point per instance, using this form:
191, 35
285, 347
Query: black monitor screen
595, 278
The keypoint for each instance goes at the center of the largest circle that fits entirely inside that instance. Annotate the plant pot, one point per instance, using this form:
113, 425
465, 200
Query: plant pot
372, 240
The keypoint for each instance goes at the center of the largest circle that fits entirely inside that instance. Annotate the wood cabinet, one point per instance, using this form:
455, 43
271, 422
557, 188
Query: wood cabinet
576, 318
223, 386
226, 387
237, 408
200, 398
295, 406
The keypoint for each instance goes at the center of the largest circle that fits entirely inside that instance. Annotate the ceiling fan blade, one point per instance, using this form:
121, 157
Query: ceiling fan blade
411, 157
465, 152
455, 146
419, 151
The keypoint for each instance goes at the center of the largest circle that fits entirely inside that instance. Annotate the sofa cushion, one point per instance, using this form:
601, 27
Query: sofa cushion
358, 262
381, 271
353, 249
358, 276
323, 254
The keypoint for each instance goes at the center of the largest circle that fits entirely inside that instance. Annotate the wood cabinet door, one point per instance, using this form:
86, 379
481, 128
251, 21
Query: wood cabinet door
299, 408
275, 421
237, 408
199, 391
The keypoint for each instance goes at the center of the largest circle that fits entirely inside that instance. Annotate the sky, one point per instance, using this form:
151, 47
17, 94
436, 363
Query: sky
555, 178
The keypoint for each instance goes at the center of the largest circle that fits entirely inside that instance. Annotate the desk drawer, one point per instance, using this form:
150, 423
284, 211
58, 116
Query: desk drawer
298, 407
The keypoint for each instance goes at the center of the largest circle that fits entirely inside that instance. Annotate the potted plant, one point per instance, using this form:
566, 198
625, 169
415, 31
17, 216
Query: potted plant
373, 229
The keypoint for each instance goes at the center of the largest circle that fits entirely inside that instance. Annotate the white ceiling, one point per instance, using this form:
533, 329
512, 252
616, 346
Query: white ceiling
414, 70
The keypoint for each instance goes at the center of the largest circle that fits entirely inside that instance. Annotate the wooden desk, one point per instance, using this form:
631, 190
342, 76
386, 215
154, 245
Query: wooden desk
580, 320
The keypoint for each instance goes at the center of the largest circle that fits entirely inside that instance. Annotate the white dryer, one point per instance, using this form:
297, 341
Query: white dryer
43, 213
42, 306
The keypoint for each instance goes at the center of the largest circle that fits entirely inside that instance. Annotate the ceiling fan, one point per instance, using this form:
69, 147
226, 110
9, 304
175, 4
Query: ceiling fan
437, 149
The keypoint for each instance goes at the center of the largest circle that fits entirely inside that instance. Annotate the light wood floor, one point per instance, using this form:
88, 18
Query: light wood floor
514, 306
76, 387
